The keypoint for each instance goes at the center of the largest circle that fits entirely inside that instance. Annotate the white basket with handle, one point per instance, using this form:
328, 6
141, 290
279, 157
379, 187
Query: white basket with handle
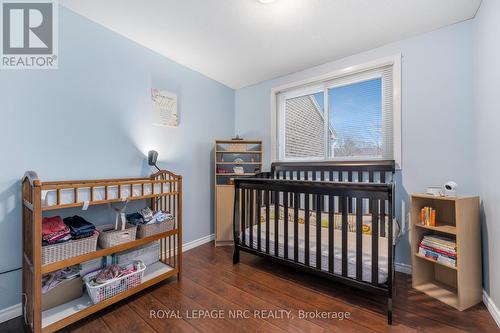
115, 286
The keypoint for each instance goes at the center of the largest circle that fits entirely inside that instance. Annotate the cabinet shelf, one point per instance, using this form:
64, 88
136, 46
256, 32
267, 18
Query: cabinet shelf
434, 261
104, 252
447, 229
441, 291
238, 152
239, 163
52, 319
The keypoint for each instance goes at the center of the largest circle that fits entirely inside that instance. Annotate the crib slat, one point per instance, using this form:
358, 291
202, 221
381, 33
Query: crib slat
306, 234
330, 233
251, 220
243, 215
285, 218
296, 227
349, 202
343, 204
318, 231
314, 203
374, 207
276, 222
267, 220
359, 239
390, 248
382, 209
259, 202
382, 218
324, 200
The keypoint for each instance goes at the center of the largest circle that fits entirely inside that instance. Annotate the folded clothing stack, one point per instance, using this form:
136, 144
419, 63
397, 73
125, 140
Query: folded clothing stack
441, 249
147, 216
51, 280
79, 227
54, 230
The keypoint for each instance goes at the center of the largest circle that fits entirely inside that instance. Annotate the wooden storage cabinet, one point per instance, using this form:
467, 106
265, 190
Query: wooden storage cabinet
245, 155
456, 218
169, 198
224, 214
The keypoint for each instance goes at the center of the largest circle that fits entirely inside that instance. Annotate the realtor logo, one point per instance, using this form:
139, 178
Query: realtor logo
29, 34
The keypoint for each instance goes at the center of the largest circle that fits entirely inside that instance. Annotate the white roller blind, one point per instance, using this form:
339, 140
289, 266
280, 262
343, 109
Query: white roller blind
349, 117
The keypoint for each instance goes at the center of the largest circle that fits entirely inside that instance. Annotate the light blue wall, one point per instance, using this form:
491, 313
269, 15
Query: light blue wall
91, 118
437, 131
487, 111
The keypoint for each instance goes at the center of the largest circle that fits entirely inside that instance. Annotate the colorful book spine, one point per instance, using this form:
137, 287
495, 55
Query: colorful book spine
428, 216
441, 252
437, 257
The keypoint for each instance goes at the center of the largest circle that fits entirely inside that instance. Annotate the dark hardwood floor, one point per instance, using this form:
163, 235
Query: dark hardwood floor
211, 282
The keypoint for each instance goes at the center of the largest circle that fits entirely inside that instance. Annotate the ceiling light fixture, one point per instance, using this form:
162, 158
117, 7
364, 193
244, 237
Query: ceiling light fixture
266, 1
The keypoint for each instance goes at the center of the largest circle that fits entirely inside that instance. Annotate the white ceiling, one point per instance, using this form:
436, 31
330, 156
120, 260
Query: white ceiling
242, 42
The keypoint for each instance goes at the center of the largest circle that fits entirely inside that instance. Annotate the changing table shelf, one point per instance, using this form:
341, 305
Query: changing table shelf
163, 190
104, 252
79, 308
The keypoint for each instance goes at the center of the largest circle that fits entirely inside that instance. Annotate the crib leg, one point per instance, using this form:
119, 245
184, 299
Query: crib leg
236, 255
389, 311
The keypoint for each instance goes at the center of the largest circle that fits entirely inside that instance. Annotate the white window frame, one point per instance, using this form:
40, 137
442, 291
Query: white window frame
321, 83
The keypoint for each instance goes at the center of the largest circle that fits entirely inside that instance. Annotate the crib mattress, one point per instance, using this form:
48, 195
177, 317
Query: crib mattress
351, 251
67, 196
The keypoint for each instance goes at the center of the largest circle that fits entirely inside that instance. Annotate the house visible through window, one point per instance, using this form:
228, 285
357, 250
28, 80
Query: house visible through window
355, 112
349, 117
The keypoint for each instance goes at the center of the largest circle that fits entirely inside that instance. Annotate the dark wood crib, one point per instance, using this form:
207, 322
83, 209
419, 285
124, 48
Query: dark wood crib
332, 219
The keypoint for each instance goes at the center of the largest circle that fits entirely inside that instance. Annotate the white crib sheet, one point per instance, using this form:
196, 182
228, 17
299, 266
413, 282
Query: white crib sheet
351, 252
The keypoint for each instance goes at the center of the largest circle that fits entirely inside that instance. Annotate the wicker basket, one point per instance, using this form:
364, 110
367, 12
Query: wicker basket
115, 286
146, 230
109, 237
69, 249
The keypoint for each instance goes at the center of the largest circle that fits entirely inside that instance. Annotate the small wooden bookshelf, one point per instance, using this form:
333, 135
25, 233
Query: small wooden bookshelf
231, 154
456, 218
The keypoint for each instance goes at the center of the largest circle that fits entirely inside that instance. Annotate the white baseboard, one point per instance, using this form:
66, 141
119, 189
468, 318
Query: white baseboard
15, 310
11, 312
403, 268
492, 308
197, 242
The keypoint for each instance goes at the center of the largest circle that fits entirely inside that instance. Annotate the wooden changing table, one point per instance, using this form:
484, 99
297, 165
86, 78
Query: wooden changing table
163, 189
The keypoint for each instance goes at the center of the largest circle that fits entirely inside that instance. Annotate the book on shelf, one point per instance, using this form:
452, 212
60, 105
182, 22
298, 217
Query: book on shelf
437, 257
428, 216
441, 249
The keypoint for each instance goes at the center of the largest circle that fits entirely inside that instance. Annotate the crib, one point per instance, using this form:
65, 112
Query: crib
332, 219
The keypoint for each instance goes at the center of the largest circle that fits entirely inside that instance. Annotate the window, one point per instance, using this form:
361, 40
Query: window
342, 117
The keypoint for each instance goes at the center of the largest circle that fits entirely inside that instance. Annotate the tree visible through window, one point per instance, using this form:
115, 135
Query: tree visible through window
355, 113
